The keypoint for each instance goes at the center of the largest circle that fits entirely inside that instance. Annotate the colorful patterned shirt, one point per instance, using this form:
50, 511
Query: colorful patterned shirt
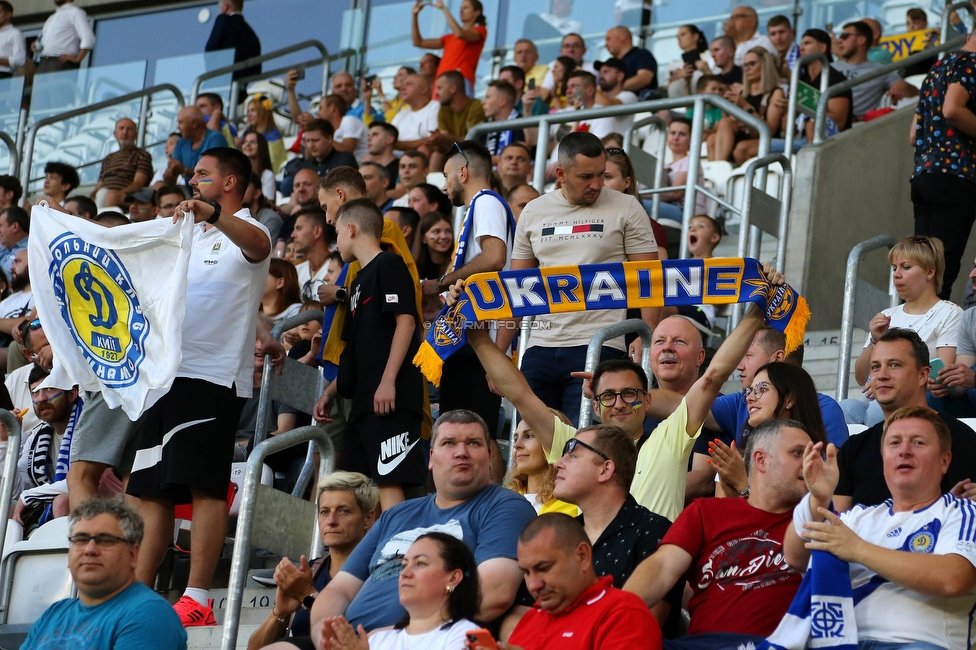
939, 146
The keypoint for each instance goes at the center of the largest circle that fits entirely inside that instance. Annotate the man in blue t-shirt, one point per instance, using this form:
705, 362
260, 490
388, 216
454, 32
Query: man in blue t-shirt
487, 517
112, 610
195, 139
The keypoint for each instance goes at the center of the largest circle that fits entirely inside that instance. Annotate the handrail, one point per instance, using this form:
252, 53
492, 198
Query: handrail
661, 153
593, 355
245, 518
12, 150
254, 60
821, 120
84, 110
749, 246
264, 396
651, 106
944, 34
847, 318
236, 84
9, 476
101, 160
794, 84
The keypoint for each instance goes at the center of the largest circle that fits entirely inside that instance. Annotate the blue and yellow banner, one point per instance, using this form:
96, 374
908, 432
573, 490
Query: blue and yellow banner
901, 46
622, 285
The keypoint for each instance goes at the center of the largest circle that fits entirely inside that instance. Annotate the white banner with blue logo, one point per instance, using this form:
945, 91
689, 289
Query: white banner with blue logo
111, 302
822, 612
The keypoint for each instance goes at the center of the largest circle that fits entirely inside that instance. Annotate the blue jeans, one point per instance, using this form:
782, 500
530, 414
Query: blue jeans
778, 145
713, 641
868, 644
962, 407
862, 411
547, 371
671, 211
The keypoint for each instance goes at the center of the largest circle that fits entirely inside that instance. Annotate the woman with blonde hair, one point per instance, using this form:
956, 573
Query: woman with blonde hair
260, 119
531, 475
917, 266
762, 97
282, 295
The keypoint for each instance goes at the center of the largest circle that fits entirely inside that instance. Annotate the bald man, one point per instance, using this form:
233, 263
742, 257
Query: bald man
125, 171
195, 139
641, 74
345, 86
741, 27
416, 123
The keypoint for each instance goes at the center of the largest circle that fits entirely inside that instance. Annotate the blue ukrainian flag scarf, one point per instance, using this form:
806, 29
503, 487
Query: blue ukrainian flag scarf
822, 612
620, 285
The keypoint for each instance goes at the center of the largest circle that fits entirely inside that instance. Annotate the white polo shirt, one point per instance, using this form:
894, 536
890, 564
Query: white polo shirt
66, 31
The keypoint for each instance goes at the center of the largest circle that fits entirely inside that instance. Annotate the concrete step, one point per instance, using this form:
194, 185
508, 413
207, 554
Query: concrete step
208, 638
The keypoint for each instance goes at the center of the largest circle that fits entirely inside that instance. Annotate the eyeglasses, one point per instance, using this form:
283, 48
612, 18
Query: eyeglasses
845, 35
34, 325
757, 390
310, 289
102, 540
628, 395
918, 239
573, 443
457, 148
749, 64
615, 151
39, 395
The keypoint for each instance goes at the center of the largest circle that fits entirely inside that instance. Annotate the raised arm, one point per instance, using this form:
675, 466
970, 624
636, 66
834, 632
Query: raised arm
253, 242
821, 477
464, 34
418, 40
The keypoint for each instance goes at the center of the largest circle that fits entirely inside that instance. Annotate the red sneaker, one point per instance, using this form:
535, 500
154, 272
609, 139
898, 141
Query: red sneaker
193, 614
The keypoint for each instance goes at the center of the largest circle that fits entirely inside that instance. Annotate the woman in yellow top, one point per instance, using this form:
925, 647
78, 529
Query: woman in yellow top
532, 476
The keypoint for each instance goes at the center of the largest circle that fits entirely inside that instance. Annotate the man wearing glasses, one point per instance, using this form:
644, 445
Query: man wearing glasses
112, 610
621, 398
742, 28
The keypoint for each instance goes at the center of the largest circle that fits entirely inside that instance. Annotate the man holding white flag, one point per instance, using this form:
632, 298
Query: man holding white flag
912, 558
186, 440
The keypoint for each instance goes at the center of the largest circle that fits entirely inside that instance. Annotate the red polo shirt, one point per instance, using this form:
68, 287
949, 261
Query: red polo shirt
602, 618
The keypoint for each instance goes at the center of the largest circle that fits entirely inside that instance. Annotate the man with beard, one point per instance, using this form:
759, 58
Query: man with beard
43, 463
125, 171
197, 419
484, 244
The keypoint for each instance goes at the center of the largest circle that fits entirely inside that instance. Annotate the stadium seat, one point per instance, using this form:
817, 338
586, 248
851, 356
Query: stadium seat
34, 572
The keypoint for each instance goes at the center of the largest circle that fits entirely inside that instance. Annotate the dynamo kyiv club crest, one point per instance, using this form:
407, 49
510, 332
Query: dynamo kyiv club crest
101, 309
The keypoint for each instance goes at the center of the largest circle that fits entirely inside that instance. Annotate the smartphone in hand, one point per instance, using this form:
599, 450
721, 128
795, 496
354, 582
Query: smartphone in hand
936, 365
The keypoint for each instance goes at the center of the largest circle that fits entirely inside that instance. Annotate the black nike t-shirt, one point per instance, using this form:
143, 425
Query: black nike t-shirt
381, 290
862, 469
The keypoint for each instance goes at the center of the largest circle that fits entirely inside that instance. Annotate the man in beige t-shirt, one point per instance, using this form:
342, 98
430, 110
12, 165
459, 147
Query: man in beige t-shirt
580, 223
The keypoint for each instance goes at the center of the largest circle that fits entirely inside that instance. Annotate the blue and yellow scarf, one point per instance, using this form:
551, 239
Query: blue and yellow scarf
619, 285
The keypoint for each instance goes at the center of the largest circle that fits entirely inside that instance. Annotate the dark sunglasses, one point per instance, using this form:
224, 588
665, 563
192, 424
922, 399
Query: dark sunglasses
573, 443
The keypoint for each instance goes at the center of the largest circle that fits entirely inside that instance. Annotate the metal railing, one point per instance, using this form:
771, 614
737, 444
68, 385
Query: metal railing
12, 152
794, 84
596, 345
84, 110
246, 517
9, 474
640, 157
543, 122
820, 124
247, 63
235, 86
950, 8
860, 309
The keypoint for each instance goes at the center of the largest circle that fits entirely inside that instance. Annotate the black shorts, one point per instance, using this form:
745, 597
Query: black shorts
186, 440
464, 385
386, 448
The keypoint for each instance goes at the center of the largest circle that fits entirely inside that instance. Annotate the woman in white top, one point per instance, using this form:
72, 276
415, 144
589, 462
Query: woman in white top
255, 147
282, 295
439, 589
679, 142
532, 475
917, 264
685, 72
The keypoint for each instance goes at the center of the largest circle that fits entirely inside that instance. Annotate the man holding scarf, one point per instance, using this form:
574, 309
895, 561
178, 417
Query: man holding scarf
484, 244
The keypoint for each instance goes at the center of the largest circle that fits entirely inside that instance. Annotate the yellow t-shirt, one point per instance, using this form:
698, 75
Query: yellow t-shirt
662, 462
538, 72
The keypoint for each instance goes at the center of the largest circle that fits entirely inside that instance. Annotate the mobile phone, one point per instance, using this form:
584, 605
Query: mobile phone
300, 74
690, 57
531, 83
578, 94
370, 79
481, 639
936, 365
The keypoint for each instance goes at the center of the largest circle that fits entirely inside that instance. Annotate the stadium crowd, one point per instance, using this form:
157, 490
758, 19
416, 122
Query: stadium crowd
684, 519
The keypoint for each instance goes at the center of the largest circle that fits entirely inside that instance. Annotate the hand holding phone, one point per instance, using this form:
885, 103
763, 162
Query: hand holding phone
531, 83
481, 639
936, 365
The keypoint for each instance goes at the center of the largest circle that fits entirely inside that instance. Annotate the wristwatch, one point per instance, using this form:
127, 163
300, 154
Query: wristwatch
745, 492
342, 294
216, 214
308, 600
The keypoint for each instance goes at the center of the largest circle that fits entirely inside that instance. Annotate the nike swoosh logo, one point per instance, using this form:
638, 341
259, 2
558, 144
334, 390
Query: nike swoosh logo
385, 468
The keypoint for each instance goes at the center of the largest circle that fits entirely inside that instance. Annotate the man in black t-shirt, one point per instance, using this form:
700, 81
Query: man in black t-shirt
723, 53
641, 75
899, 374
840, 108
375, 370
